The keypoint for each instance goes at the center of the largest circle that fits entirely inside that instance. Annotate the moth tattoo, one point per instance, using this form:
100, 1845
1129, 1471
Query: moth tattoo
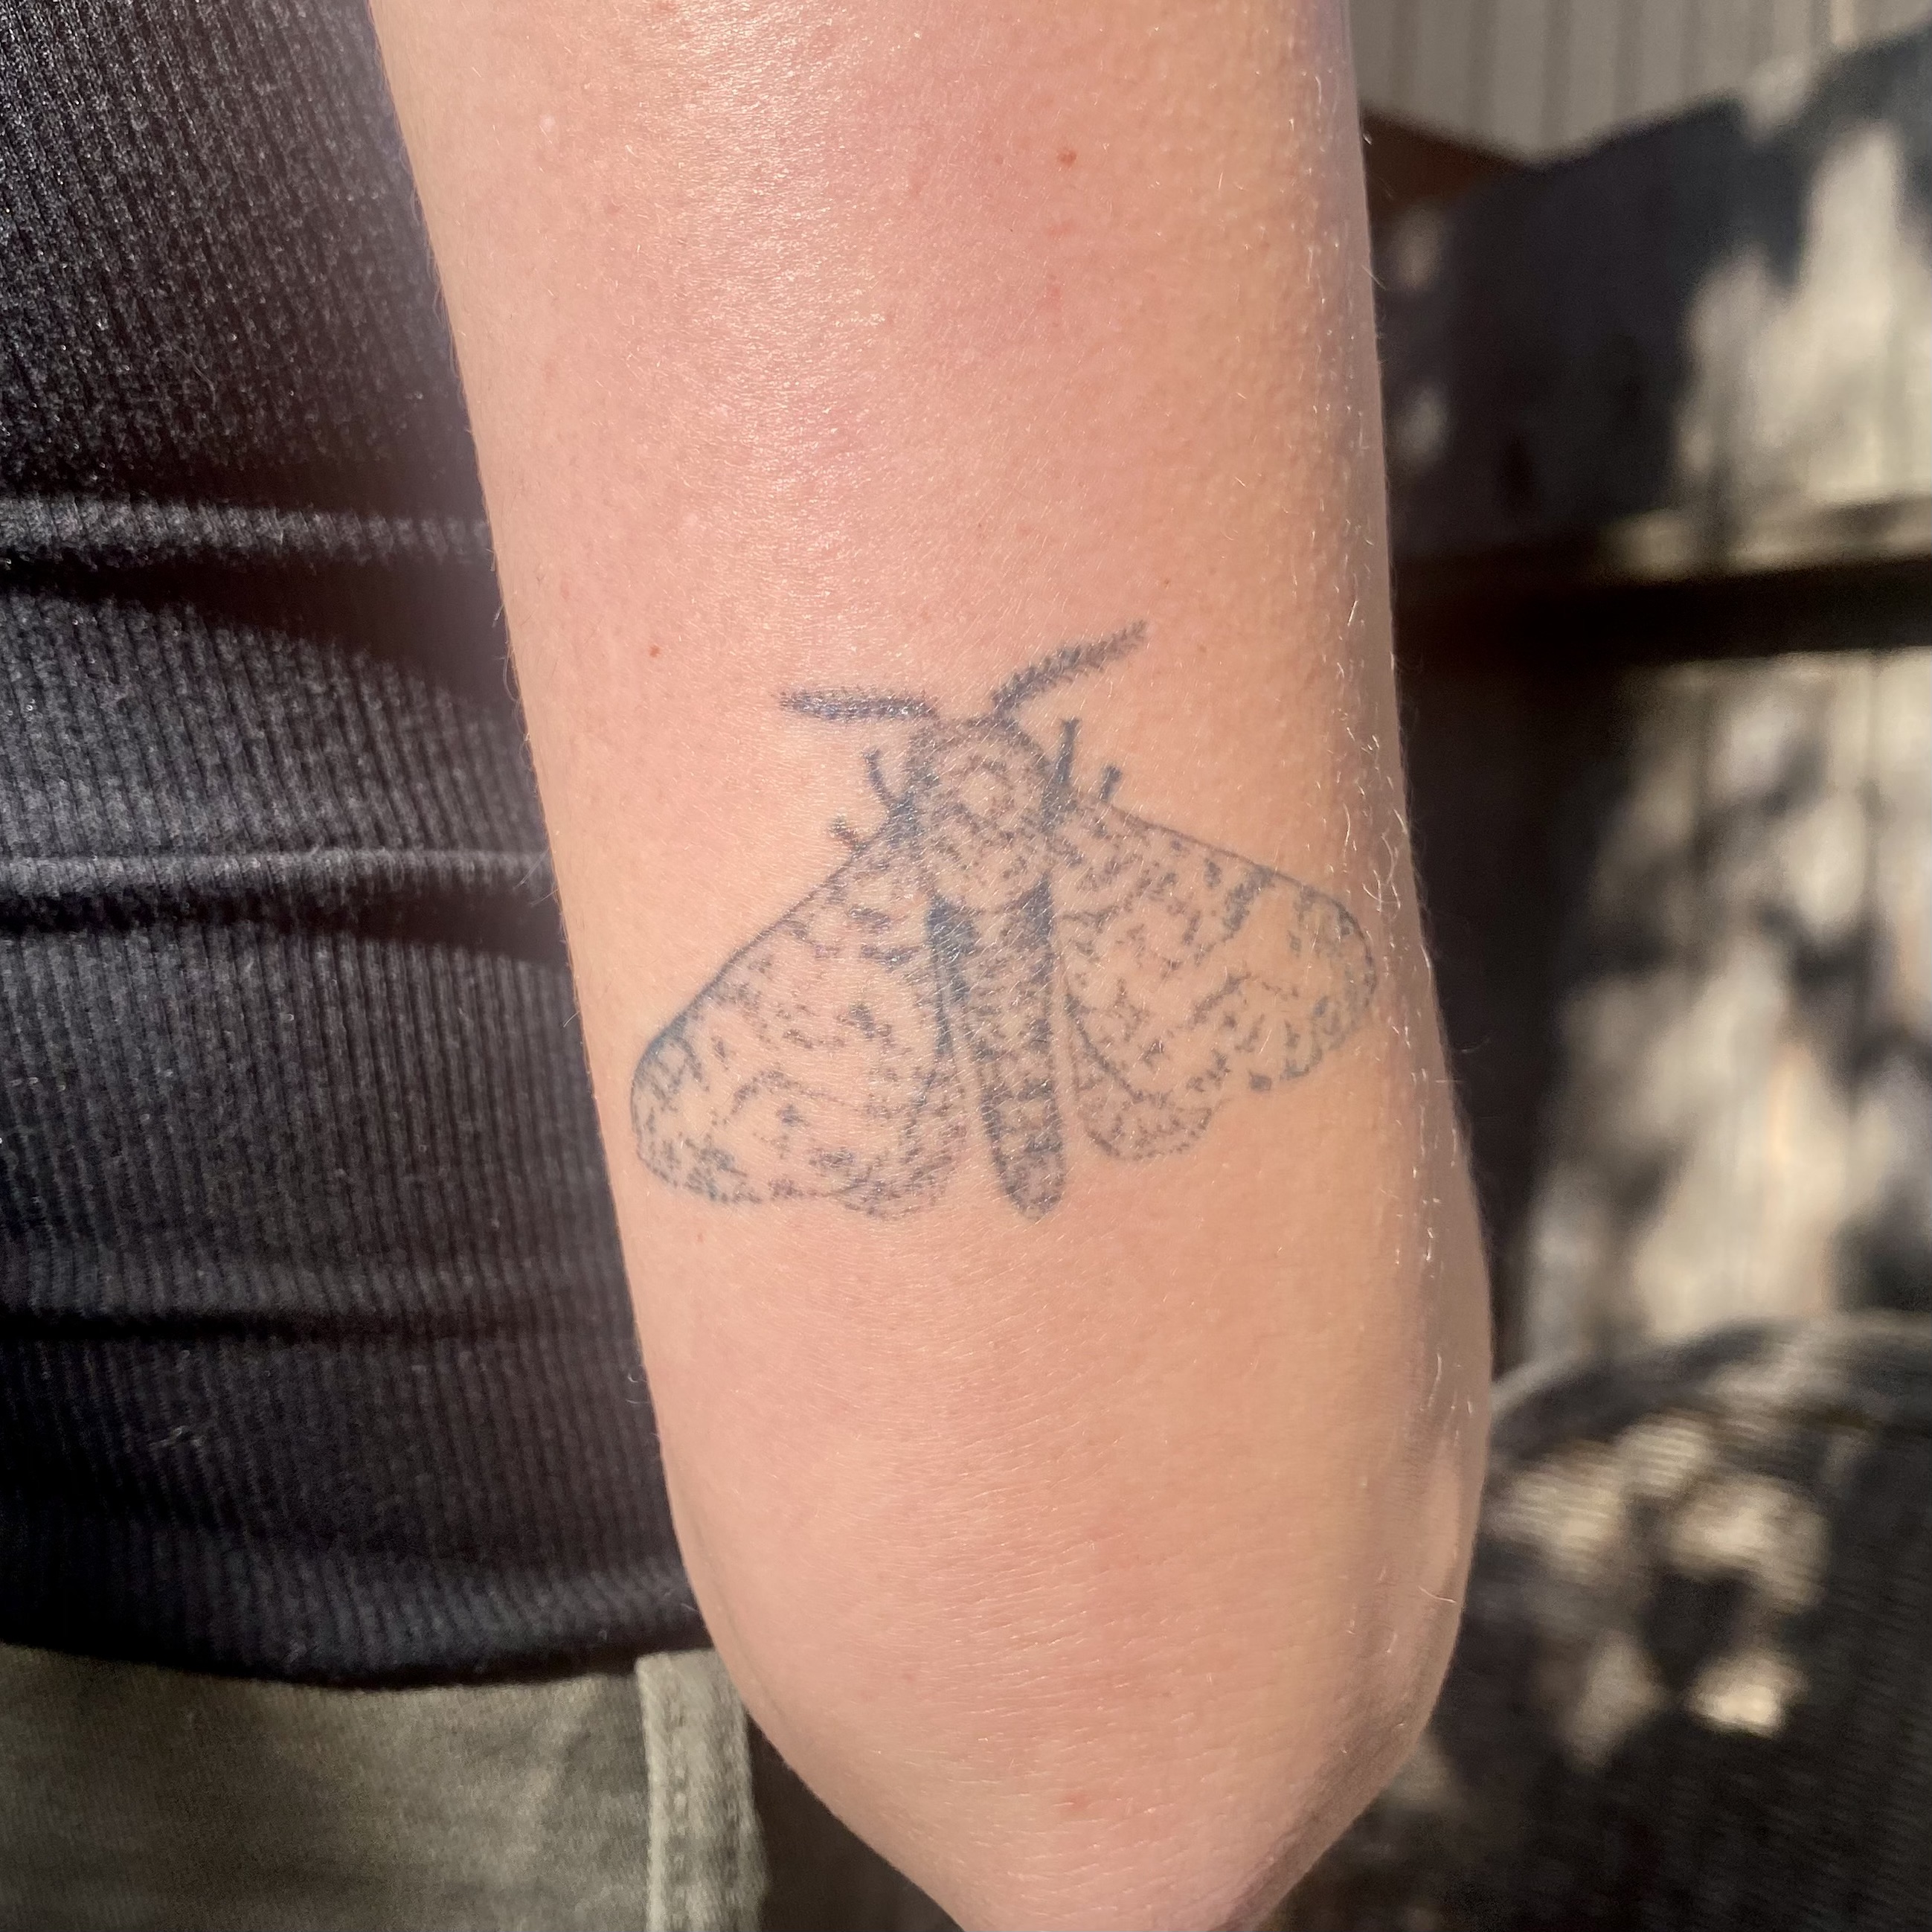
1005, 944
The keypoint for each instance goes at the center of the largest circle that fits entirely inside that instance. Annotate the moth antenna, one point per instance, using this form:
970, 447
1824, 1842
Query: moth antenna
1063, 766
1110, 783
852, 841
876, 771
847, 707
1070, 661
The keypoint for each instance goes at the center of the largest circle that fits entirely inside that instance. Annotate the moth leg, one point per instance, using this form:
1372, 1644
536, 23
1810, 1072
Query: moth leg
1110, 783
852, 841
876, 771
1063, 766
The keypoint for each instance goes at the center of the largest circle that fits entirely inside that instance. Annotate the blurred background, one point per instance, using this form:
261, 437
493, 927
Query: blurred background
1660, 406
1655, 298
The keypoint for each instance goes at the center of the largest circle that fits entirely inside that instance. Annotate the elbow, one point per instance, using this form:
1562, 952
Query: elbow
1210, 1828
1205, 1850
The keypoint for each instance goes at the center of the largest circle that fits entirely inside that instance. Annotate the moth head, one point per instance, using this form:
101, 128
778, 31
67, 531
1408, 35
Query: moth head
981, 797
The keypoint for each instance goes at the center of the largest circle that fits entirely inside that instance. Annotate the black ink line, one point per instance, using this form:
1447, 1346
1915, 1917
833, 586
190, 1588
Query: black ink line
1069, 662
844, 707
875, 771
1063, 766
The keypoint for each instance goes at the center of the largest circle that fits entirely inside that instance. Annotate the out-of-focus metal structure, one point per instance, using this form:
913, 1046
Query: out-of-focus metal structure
1538, 78
1660, 444
1659, 414
1691, 1688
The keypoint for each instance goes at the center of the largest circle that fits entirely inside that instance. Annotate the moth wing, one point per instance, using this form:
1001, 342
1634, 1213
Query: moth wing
817, 1063
1192, 974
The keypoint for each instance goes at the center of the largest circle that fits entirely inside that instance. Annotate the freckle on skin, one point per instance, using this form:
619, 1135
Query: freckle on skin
657, 650
1068, 157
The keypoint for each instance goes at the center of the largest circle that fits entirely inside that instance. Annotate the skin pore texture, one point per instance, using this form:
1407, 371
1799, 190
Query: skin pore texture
1052, 1251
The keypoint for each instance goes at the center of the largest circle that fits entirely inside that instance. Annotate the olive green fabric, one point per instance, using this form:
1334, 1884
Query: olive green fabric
705, 1870
135, 1797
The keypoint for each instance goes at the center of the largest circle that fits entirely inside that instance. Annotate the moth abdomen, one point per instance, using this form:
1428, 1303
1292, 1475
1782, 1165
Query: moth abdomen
996, 978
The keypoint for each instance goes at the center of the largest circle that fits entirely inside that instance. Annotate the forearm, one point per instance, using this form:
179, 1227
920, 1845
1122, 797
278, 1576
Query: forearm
1071, 1411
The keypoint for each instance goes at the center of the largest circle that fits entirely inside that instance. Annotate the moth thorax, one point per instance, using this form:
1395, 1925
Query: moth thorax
981, 795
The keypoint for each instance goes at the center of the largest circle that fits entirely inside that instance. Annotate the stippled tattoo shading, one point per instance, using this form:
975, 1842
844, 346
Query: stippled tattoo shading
1003, 934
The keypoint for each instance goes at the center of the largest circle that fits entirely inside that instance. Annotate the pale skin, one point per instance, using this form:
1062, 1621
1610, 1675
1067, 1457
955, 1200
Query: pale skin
1095, 1564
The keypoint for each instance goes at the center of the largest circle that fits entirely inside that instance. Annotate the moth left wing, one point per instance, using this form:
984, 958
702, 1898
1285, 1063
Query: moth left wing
1191, 974
817, 1063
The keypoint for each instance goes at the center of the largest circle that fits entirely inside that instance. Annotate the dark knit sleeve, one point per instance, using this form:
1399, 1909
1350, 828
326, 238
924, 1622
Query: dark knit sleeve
316, 1359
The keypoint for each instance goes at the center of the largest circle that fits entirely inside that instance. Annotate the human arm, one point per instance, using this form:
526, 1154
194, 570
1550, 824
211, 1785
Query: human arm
1095, 1559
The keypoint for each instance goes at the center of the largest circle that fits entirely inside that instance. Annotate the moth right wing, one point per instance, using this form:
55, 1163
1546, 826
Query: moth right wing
1192, 974
817, 1063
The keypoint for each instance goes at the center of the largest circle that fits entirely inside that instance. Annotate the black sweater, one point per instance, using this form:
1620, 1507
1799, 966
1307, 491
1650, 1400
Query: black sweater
315, 1357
